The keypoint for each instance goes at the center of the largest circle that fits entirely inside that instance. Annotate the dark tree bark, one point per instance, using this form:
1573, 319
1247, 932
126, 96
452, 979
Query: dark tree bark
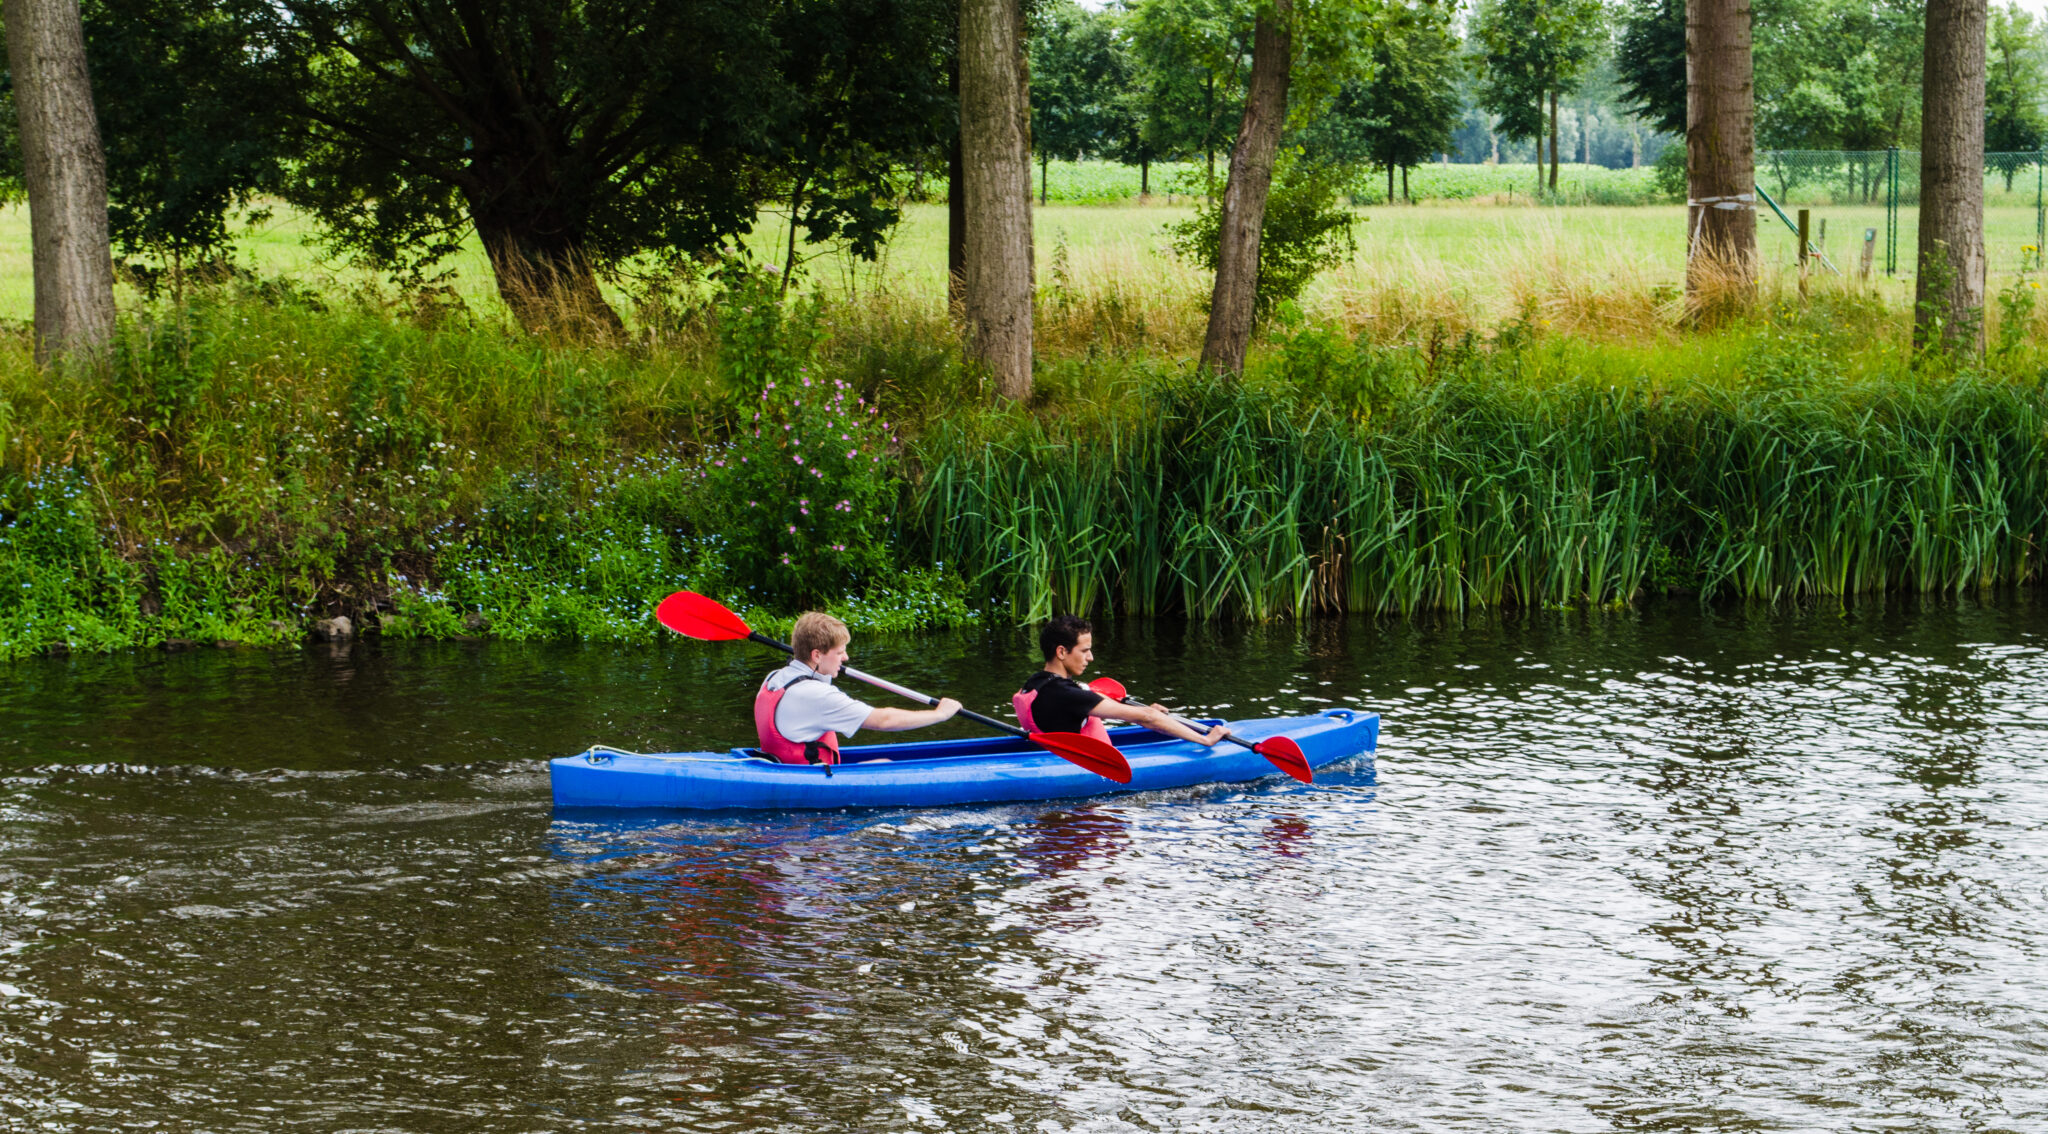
1949, 290
1233, 303
65, 173
1553, 141
1720, 140
956, 213
995, 151
538, 259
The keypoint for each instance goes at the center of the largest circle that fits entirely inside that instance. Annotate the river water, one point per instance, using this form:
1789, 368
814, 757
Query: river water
1654, 870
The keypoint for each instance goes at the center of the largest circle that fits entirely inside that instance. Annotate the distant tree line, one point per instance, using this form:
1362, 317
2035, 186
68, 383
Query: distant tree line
578, 141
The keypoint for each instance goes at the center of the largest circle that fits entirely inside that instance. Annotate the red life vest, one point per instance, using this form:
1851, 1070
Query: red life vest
824, 750
1021, 701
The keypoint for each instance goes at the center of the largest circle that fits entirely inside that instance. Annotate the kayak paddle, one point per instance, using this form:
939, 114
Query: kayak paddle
694, 616
1285, 754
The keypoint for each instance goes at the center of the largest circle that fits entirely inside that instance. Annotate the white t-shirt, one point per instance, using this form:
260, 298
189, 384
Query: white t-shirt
813, 708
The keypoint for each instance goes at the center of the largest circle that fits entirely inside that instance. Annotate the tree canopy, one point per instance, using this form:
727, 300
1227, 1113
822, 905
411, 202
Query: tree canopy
1533, 50
1402, 114
1080, 77
1649, 60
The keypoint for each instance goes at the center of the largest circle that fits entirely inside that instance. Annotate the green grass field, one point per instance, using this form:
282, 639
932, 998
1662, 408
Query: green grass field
1482, 259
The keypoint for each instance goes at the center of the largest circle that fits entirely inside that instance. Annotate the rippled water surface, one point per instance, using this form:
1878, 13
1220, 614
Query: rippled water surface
1661, 870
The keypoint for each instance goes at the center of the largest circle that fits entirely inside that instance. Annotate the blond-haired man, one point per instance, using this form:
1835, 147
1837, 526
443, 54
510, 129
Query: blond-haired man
800, 715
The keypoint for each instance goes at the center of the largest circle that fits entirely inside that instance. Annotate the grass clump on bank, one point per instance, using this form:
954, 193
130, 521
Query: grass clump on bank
245, 465
254, 461
1393, 480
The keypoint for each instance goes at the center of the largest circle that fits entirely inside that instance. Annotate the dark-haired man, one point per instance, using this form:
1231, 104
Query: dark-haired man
1054, 700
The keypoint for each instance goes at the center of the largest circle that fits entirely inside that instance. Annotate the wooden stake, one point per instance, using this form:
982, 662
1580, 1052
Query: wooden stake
1805, 223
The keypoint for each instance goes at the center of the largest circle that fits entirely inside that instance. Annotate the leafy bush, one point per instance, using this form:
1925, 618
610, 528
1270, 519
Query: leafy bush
1668, 172
1306, 230
802, 494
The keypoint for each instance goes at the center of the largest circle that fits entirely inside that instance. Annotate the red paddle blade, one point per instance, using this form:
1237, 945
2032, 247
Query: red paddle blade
1287, 756
1095, 755
1109, 687
694, 616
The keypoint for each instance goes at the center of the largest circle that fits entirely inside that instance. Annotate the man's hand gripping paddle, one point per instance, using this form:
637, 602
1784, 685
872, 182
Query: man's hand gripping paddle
1285, 754
694, 616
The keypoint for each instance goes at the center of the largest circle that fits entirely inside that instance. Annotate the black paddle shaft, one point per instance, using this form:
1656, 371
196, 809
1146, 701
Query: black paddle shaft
892, 687
1232, 738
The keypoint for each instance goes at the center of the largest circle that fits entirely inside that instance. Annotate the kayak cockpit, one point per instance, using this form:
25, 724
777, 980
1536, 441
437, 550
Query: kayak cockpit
920, 750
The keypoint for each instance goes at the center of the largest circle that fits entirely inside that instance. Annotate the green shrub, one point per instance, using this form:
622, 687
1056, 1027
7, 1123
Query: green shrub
1668, 172
803, 492
1306, 230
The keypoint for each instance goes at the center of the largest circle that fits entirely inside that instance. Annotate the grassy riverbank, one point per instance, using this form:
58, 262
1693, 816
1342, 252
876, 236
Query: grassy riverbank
250, 463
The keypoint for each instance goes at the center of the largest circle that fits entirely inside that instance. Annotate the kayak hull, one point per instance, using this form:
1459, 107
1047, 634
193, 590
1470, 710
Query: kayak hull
940, 773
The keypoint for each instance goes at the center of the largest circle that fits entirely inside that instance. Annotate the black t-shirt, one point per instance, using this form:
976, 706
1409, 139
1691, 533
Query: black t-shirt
1062, 703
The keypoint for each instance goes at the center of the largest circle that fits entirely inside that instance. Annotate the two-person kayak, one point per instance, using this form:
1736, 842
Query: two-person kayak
938, 773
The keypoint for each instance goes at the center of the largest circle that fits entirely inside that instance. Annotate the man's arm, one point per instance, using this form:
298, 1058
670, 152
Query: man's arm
1156, 718
889, 719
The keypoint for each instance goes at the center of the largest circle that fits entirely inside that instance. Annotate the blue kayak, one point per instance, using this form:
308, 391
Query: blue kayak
938, 773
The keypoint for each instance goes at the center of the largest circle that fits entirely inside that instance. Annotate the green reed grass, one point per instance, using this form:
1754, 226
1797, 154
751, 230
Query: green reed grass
1501, 481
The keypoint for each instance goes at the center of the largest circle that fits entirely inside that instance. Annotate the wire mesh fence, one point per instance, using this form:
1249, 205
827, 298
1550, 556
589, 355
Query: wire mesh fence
1865, 205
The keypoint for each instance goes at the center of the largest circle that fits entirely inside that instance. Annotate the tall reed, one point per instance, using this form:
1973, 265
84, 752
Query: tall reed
1485, 486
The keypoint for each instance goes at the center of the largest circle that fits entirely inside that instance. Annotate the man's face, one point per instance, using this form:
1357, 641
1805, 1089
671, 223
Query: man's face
827, 662
1075, 662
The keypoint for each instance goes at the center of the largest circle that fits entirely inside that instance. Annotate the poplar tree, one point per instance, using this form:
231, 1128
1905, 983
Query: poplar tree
995, 158
1233, 300
1949, 285
1536, 51
1720, 137
63, 171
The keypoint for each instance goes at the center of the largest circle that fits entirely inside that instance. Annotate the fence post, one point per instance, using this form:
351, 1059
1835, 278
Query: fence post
1805, 227
2040, 214
1891, 210
1869, 250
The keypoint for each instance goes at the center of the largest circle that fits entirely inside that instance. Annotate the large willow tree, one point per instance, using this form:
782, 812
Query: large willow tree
571, 137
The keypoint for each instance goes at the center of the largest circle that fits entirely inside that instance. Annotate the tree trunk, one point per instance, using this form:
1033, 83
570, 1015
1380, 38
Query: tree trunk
1144, 180
545, 278
956, 214
1404, 186
1390, 183
1044, 166
1949, 290
1553, 141
995, 152
796, 203
1539, 147
1720, 153
65, 172
1232, 305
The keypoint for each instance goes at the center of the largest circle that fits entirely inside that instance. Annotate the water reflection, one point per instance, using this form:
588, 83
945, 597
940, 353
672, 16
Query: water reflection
1062, 841
1663, 870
